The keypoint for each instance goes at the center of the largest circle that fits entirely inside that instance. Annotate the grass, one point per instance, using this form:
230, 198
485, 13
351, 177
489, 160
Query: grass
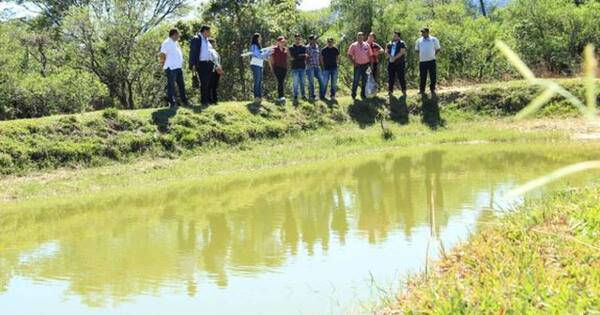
99, 138
542, 259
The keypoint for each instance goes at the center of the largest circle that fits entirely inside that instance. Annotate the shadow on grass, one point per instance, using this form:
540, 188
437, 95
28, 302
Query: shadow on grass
162, 116
365, 111
399, 110
431, 111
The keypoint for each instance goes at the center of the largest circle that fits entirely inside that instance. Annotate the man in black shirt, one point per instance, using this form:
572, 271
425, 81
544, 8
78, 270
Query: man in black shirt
330, 57
298, 54
396, 52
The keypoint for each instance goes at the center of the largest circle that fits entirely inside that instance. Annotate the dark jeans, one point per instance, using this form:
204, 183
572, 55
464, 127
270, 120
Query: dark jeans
375, 71
204, 70
280, 74
360, 74
424, 68
214, 87
397, 71
175, 77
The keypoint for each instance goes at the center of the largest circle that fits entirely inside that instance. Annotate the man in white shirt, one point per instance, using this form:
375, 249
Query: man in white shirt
428, 47
201, 62
171, 59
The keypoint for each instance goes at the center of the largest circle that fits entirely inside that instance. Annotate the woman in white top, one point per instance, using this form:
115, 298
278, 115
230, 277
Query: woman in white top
217, 71
257, 63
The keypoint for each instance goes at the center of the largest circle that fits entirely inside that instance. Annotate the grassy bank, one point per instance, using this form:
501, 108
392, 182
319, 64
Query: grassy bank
97, 138
542, 259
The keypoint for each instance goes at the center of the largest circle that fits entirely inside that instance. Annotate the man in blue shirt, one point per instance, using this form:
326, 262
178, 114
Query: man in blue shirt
200, 61
396, 52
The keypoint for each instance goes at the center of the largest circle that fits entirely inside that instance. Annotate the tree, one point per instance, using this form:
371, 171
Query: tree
107, 38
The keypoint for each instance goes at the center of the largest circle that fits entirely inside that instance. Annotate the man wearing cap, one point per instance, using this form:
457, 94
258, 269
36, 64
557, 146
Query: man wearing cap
360, 54
279, 61
313, 69
427, 46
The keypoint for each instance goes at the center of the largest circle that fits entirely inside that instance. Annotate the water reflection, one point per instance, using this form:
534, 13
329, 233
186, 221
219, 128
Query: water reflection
112, 248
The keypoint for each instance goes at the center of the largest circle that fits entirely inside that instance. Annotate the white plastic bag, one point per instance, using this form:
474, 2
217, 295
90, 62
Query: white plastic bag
371, 85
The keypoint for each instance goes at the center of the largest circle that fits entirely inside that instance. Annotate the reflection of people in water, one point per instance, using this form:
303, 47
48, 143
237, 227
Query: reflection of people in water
433, 187
403, 193
372, 213
217, 238
339, 220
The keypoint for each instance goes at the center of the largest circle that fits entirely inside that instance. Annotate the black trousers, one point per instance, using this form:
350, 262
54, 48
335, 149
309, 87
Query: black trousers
397, 71
280, 74
205, 70
375, 71
424, 68
214, 87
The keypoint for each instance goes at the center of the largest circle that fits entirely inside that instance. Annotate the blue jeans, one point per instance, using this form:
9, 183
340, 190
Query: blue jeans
311, 73
175, 77
360, 75
330, 75
298, 78
257, 74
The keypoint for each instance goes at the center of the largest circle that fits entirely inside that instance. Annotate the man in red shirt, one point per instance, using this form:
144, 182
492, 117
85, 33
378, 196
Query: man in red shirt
360, 55
377, 50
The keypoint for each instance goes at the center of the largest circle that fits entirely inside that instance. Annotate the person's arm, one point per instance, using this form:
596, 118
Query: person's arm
292, 53
380, 50
194, 53
351, 55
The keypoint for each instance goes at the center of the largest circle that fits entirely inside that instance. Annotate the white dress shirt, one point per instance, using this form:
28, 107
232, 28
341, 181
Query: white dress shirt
205, 49
174, 56
427, 48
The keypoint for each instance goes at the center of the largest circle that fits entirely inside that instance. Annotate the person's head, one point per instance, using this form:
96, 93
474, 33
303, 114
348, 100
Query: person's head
174, 34
205, 31
256, 39
371, 37
360, 36
396, 36
298, 39
281, 42
330, 42
425, 32
312, 39
213, 42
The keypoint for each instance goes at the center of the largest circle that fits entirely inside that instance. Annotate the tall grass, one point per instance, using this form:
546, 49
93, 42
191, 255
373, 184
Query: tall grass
551, 89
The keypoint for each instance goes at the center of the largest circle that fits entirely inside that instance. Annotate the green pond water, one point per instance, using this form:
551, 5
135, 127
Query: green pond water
327, 238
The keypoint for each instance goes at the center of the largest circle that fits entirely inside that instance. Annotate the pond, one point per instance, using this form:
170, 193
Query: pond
327, 238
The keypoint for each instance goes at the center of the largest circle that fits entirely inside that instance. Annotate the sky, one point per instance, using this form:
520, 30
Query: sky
304, 5
313, 4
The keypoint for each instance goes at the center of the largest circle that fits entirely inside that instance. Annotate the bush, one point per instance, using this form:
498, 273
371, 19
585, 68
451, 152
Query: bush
66, 92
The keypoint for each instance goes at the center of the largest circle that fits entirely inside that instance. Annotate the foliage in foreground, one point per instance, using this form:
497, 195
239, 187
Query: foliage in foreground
96, 138
544, 259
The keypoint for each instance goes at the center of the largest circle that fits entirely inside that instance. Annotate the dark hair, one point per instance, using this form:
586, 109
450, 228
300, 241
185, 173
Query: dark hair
397, 33
425, 29
173, 31
297, 35
255, 40
204, 28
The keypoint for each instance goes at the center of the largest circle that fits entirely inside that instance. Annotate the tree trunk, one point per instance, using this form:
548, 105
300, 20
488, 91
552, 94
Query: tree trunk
482, 4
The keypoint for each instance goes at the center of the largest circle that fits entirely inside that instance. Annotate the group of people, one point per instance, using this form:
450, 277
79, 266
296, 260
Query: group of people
305, 62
